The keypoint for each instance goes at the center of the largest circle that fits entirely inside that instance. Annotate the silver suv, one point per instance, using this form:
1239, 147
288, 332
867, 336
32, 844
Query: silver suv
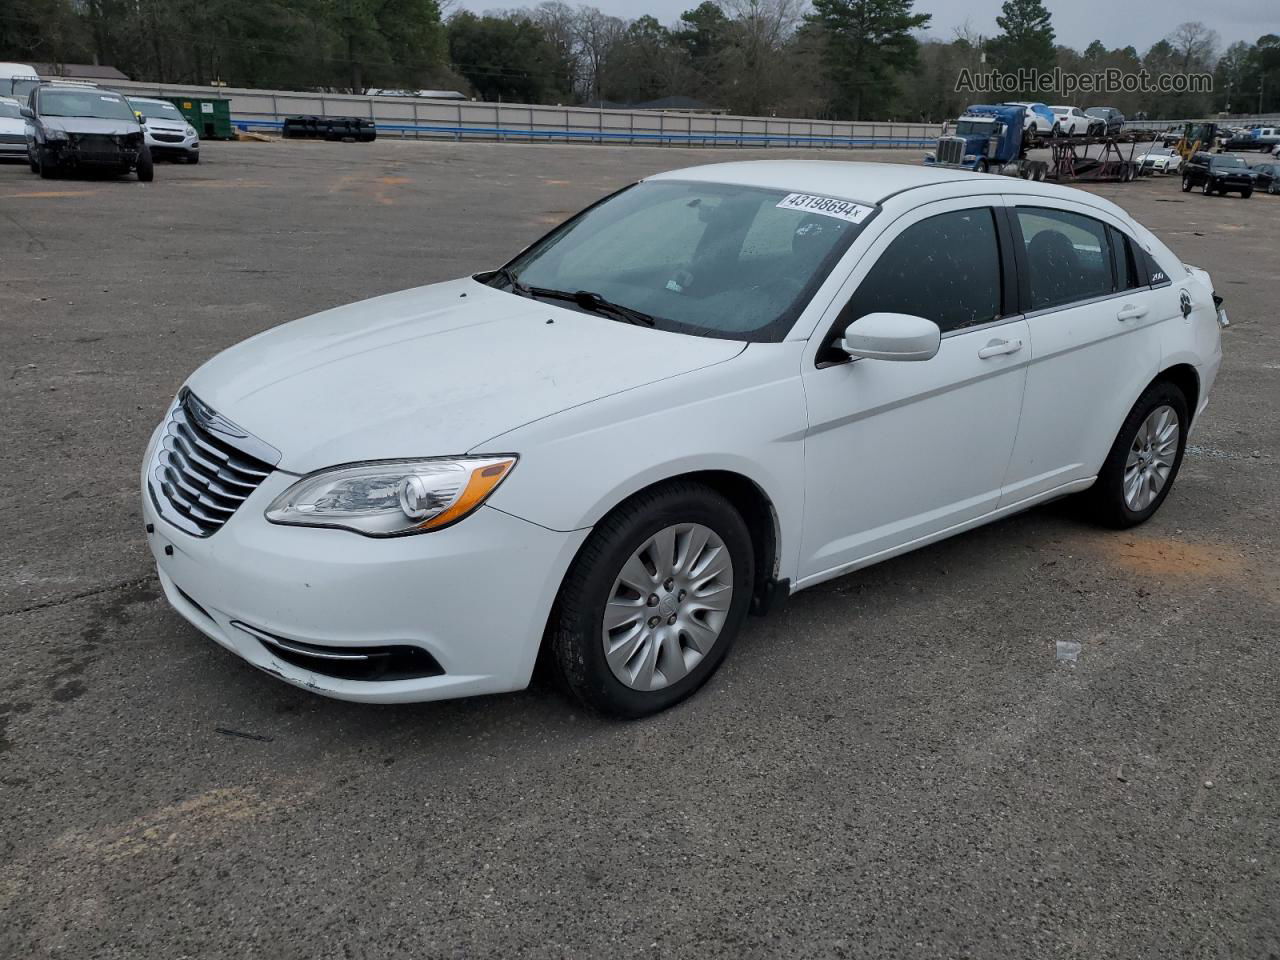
167, 130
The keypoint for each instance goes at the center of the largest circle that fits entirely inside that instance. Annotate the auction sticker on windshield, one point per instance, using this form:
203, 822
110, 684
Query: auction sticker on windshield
827, 206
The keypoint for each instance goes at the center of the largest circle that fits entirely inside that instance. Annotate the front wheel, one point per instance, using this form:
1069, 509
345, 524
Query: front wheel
1206, 188
146, 166
1246, 194
654, 600
44, 168
1143, 462
1186, 184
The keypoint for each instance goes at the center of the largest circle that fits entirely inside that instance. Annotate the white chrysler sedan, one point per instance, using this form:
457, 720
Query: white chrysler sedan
707, 391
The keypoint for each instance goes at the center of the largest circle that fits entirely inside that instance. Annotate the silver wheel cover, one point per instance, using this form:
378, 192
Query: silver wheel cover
1151, 457
667, 606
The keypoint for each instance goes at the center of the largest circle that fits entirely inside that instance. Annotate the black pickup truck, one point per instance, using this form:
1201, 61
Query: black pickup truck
1217, 173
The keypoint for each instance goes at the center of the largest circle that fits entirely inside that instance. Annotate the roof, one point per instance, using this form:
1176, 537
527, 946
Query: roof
81, 71
873, 183
850, 179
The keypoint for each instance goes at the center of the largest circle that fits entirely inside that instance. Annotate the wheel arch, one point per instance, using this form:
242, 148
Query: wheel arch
1185, 378
753, 504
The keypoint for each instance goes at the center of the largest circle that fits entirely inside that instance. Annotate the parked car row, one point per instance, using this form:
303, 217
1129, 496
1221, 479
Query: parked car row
1256, 137
1067, 121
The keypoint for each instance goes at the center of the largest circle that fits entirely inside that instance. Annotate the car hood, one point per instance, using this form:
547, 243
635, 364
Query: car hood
89, 125
11, 126
432, 371
167, 126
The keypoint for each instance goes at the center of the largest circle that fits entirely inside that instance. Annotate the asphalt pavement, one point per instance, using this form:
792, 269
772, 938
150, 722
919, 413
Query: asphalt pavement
1036, 739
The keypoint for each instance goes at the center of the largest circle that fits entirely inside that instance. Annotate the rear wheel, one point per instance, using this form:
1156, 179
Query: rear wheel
654, 600
1057, 131
1186, 184
1206, 188
1144, 460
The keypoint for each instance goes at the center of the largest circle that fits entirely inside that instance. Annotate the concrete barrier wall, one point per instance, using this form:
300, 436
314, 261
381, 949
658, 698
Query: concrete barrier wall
467, 120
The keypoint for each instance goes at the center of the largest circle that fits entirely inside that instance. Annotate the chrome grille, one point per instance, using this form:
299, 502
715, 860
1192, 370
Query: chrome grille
950, 149
202, 469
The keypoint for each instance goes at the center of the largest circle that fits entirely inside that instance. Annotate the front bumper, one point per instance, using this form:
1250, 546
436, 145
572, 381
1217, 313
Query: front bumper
474, 596
73, 153
183, 144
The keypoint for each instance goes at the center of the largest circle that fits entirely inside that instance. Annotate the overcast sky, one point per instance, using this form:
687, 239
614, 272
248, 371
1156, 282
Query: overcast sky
1116, 23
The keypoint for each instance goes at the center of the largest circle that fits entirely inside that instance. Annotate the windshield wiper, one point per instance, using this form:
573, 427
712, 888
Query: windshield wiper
592, 302
507, 274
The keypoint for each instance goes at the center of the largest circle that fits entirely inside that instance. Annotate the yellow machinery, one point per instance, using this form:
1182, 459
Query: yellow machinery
1197, 137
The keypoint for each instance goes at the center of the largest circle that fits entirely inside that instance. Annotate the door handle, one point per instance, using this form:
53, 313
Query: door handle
1130, 312
998, 348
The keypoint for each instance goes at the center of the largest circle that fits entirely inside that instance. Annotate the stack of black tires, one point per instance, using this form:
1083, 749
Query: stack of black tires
346, 129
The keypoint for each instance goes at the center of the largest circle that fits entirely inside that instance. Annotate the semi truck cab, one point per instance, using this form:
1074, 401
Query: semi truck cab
988, 139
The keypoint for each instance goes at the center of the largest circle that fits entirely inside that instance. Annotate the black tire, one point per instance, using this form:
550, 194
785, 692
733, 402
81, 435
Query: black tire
1206, 188
146, 166
35, 167
1186, 184
980, 166
1246, 193
574, 632
1106, 497
193, 156
45, 168
1056, 131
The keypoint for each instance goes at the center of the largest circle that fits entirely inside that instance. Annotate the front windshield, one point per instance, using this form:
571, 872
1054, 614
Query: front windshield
709, 259
973, 126
155, 110
22, 88
10, 111
1227, 162
84, 103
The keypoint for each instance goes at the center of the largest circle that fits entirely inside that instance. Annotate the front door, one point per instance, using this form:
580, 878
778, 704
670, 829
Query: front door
899, 451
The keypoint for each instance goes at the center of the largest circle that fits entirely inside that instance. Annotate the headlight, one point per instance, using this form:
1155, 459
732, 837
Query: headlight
55, 135
390, 498
191, 131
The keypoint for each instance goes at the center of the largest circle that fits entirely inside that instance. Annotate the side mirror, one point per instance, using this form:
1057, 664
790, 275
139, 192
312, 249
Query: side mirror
891, 336
26, 112
142, 118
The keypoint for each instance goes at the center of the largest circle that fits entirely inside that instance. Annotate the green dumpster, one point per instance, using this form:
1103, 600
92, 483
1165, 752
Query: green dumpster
211, 116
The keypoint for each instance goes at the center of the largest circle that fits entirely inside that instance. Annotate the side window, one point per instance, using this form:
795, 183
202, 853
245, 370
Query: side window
945, 268
1129, 265
1068, 256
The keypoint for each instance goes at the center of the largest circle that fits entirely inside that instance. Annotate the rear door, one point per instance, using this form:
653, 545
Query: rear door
1092, 315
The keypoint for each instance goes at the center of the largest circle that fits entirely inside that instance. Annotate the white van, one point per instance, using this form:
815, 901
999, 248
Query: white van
17, 80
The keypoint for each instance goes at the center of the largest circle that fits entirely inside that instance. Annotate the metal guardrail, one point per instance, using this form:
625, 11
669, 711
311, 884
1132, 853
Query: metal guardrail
611, 136
412, 117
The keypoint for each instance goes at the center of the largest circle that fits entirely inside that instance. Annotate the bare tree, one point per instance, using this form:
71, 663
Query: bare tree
560, 26
761, 28
597, 33
1194, 45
